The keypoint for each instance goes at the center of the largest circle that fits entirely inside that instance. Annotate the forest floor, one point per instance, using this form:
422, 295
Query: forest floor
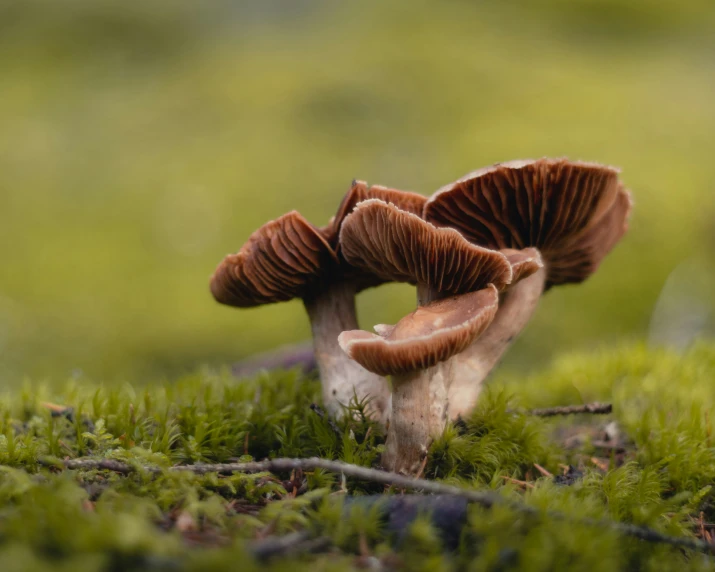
115, 478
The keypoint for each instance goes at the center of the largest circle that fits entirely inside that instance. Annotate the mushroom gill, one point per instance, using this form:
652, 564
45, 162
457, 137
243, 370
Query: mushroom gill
569, 214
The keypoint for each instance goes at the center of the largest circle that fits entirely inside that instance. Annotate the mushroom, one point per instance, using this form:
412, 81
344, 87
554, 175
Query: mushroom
290, 258
416, 352
457, 286
395, 245
570, 213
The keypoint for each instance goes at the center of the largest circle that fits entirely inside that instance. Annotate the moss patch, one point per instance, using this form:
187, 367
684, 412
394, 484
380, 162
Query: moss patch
649, 463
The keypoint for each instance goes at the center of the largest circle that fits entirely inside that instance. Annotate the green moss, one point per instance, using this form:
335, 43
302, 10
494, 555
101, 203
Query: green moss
662, 400
99, 520
493, 442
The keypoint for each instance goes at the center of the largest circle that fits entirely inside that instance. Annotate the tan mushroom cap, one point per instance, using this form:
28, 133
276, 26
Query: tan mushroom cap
359, 192
397, 245
429, 335
279, 262
551, 204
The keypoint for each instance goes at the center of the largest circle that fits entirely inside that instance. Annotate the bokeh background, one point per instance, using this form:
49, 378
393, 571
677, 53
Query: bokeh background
142, 140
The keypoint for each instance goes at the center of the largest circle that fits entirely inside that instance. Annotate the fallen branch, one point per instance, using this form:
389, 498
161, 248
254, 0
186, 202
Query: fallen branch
543, 471
299, 355
90, 464
484, 498
293, 543
593, 408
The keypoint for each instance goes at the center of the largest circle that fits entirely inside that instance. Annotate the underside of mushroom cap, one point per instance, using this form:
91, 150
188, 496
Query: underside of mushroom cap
580, 259
359, 192
396, 245
548, 204
280, 261
429, 335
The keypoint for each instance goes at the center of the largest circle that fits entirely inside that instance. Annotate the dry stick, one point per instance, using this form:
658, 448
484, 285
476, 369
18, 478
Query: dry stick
593, 408
484, 498
89, 464
289, 544
287, 357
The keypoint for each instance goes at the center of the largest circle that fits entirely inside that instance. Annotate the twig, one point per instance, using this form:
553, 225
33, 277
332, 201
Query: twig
522, 484
287, 357
484, 498
593, 408
90, 464
289, 544
600, 464
421, 470
543, 471
58, 410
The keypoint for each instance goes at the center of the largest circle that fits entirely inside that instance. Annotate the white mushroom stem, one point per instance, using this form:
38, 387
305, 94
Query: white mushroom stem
419, 415
472, 366
332, 311
425, 295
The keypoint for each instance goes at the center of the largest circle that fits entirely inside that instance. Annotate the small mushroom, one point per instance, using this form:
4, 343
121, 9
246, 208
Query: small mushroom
570, 213
416, 352
457, 286
290, 258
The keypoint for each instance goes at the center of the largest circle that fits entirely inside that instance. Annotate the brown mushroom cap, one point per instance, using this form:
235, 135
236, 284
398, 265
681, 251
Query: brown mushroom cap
278, 262
429, 335
523, 262
397, 245
551, 204
588, 249
359, 192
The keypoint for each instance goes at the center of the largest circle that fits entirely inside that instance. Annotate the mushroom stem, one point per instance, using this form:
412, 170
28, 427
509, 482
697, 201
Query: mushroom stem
331, 311
426, 294
471, 367
419, 415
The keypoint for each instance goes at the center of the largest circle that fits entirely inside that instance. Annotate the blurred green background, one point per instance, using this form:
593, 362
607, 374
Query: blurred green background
141, 141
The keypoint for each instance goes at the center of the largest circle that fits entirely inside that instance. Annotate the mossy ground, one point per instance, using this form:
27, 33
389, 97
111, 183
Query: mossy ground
656, 471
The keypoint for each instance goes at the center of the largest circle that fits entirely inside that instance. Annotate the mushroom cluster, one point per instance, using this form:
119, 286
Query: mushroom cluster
480, 251
290, 258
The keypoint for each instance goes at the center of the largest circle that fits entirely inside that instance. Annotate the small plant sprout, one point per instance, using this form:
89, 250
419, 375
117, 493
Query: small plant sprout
567, 215
290, 258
